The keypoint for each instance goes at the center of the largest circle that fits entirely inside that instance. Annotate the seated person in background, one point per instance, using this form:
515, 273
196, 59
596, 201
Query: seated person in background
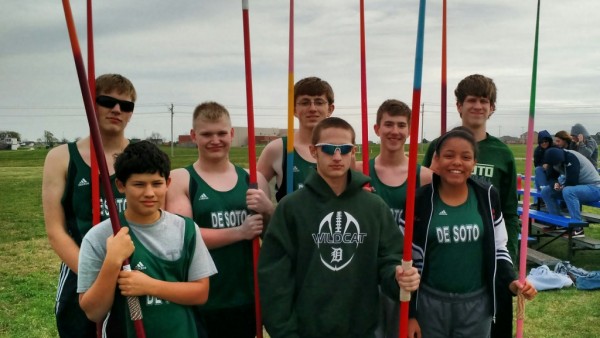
581, 185
563, 140
585, 144
544, 142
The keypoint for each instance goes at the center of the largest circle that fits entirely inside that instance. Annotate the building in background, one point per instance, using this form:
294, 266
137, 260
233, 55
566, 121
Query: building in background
9, 143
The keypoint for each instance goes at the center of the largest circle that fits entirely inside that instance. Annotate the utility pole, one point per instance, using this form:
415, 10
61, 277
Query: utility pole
172, 113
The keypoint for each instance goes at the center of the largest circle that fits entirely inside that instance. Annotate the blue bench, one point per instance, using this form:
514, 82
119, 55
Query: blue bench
566, 225
556, 220
590, 217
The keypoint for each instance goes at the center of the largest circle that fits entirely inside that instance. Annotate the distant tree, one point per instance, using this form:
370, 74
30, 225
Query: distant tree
424, 141
155, 138
49, 139
597, 137
10, 134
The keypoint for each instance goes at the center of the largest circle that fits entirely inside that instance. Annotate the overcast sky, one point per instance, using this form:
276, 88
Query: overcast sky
185, 52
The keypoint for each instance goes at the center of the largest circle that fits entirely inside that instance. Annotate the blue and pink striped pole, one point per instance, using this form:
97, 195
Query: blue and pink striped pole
412, 167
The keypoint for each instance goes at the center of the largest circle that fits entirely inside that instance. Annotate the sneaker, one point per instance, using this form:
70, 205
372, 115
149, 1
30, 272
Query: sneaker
577, 233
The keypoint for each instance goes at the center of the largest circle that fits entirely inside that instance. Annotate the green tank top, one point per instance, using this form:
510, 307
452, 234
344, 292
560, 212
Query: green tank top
77, 205
233, 285
395, 197
454, 257
161, 318
301, 170
76, 199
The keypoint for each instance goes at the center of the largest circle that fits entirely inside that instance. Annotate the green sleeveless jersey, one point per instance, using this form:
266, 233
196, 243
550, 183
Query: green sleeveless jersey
395, 197
76, 200
161, 318
455, 250
233, 286
302, 168
77, 205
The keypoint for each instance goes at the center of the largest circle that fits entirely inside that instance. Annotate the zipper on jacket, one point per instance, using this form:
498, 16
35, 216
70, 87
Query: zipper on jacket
495, 259
425, 245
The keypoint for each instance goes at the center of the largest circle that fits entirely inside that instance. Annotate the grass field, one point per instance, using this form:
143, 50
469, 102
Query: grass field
29, 269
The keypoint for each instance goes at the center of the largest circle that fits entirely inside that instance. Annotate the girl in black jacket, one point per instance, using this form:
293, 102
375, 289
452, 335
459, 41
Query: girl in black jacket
459, 246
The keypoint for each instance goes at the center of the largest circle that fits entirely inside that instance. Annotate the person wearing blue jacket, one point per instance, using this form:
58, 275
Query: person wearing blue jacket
544, 142
581, 183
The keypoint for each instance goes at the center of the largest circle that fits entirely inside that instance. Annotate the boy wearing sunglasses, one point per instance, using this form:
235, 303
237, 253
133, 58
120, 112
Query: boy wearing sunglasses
328, 247
67, 197
216, 194
313, 102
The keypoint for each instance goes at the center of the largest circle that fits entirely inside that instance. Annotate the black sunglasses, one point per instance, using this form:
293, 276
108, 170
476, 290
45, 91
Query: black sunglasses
330, 149
111, 102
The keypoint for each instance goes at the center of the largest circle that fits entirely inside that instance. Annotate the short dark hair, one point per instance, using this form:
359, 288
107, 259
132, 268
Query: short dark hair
313, 86
476, 85
458, 132
331, 122
142, 157
393, 107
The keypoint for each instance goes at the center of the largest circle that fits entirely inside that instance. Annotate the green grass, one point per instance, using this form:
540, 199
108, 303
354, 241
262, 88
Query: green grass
29, 269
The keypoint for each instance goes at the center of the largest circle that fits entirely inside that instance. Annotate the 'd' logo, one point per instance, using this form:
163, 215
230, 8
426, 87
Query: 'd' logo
338, 239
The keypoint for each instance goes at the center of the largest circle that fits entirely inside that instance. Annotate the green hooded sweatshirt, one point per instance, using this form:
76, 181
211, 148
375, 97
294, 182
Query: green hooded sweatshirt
322, 259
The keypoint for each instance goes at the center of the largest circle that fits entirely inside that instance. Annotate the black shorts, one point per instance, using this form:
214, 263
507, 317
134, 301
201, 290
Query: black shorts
71, 321
238, 322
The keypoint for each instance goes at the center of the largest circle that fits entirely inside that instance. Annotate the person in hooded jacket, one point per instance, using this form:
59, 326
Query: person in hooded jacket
328, 247
584, 143
544, 142
581, 183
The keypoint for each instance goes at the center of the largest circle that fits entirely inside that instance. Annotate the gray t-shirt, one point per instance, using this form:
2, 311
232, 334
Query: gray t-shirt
163, 239
588, 174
